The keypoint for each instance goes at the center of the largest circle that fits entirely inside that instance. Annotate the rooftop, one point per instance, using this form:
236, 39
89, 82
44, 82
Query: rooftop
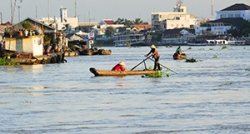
239, 6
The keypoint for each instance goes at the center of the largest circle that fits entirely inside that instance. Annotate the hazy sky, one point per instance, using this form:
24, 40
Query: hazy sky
96, 10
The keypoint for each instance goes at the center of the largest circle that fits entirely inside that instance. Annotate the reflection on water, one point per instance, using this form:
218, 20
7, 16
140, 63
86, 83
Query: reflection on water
209, 96
34, 69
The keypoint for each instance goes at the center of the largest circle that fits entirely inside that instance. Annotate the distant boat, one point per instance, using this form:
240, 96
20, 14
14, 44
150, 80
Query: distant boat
129, 40
179, 56
120, 73
214, 42
226, 42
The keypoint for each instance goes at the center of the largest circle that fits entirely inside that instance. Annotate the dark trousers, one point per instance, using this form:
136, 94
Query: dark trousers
157, 64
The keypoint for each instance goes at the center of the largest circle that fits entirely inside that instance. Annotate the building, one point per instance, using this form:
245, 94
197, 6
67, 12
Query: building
62, 23
140, 27
3, 26
179, 18
229, 18
104, 24
179, 36
235, 11
27, 37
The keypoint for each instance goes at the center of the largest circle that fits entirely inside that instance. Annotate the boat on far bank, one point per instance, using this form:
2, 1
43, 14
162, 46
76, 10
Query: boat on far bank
214, 42
226, 42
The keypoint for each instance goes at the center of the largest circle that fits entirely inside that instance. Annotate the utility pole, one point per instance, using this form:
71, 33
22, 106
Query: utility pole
75, 8
13, 9
1, 17
212, 8
19, 15
48, 12
36, 11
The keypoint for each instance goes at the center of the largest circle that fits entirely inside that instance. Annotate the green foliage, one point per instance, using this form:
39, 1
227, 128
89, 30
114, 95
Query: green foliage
192, 60
109, 31
5, 61
27, 25
129, 23
240, 29
156, 36
47, 39
224, 47
158, 74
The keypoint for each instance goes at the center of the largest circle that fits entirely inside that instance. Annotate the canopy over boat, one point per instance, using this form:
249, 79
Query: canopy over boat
120, 73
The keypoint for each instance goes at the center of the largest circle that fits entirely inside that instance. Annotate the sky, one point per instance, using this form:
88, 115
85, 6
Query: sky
97, 10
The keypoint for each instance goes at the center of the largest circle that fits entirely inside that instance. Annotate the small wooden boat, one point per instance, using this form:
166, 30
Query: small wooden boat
120, 73
104, 52
88, 52
95, 52
179, 56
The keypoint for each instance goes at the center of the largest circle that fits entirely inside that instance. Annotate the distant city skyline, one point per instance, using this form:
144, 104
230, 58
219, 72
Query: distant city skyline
96, 10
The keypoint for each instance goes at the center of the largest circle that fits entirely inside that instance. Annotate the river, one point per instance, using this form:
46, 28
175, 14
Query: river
208, 96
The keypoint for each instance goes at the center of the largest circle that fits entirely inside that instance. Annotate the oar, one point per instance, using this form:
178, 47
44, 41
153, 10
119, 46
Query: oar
140, 63
165, 66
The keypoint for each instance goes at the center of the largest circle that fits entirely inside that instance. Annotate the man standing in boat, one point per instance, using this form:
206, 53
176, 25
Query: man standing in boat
155, 54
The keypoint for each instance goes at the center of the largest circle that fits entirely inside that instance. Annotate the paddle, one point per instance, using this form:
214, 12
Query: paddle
165, 66
140, 63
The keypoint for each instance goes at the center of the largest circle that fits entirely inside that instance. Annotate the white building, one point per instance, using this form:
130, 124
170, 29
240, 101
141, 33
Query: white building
235, 11
213, 28
31, 44
104, 24
225, 19
63, 22
179, 18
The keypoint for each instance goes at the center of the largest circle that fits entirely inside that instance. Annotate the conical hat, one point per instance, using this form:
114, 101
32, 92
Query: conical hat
152, 46
122, 63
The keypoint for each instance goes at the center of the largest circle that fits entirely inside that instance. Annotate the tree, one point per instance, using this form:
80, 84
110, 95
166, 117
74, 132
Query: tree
27, 25
109, 31
129, 23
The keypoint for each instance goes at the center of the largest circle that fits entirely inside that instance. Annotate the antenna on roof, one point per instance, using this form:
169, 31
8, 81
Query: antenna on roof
179, 3
212, 8
75, 8
13, 9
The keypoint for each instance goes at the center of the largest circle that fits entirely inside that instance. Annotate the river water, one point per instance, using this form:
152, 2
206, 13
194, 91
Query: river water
209, 96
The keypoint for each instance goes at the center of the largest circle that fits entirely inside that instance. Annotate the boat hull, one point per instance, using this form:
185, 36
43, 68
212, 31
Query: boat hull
120, 73
181, 56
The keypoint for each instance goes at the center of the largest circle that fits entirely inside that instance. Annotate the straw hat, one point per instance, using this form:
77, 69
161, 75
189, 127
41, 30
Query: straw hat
122, 63
152, 46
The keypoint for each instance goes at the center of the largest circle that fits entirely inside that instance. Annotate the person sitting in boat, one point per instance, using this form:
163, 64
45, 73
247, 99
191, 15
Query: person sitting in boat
119, 67
155, 54
178, 50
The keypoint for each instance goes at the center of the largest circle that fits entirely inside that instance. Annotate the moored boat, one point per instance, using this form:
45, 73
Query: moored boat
179, 56
120, 73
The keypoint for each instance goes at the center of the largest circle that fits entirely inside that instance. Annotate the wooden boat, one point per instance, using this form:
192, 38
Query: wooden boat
104, 52
179, 56
118, 73
88, 52
95, 52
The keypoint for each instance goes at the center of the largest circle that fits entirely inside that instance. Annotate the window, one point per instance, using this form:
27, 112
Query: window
237, 15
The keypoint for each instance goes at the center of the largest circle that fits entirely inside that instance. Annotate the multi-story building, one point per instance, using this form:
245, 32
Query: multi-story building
179, 18
235, 11
226, 19
62, 23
